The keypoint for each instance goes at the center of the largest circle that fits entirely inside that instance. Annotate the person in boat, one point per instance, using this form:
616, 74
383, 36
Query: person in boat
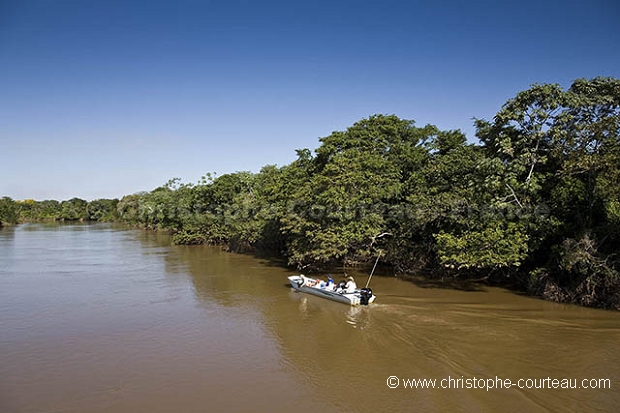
350, 286
330, 282
347, 286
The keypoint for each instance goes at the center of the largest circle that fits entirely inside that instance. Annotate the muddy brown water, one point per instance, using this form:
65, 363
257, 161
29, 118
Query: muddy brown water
95, 318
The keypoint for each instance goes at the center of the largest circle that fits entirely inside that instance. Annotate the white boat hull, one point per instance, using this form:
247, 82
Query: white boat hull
305, 285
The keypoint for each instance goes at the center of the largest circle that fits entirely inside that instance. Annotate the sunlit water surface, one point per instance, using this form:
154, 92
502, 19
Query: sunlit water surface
95, 318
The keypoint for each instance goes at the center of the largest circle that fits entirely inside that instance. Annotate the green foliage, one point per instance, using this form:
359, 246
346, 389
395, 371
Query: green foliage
539, 195
8, 211
70, 210
561, 149
355, 176
31, 210
74, 209
188, 237
102, 210
128, 207
489, 248
441, 196
580, 274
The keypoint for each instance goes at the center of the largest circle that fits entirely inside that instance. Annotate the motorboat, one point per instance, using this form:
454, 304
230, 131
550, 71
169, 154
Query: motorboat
361, 296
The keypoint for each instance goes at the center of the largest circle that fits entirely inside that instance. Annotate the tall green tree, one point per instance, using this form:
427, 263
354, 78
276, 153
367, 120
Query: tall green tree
8, 211
443, 202
102, 210
74, 209
355, 177
558, 149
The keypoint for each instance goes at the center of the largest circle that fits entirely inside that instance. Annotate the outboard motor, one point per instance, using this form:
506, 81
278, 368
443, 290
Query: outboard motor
365, 295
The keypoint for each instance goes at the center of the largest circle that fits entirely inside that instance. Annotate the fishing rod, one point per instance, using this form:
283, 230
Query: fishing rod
373, 270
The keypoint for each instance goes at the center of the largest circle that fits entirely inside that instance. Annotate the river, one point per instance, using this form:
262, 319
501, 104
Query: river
97, 318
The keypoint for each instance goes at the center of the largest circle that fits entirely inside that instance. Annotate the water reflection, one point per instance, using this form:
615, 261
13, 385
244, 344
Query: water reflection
358, 317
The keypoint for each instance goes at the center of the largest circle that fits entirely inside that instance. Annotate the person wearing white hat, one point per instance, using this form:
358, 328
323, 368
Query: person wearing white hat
350, 286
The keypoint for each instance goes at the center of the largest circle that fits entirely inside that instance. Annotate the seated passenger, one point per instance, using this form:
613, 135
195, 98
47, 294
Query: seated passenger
350, 286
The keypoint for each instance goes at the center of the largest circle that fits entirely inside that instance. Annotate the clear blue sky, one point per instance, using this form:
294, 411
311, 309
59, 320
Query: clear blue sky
107, 98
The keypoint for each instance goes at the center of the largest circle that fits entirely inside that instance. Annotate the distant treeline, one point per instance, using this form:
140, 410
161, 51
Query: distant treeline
76, 209
535, 203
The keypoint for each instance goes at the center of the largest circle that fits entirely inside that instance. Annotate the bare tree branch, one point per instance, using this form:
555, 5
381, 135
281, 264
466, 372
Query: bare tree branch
515, 196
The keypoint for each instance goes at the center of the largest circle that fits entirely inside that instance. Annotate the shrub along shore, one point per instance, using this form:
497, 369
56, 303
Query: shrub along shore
536, 202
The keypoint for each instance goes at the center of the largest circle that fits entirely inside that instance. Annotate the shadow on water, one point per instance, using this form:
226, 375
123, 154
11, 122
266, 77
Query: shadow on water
268, 259
361, 272
445, 284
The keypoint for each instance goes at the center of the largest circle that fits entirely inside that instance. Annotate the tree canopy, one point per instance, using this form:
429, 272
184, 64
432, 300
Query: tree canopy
535, 201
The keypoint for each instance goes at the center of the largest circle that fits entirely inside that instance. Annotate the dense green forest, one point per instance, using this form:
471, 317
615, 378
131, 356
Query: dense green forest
76, 209
535, 203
